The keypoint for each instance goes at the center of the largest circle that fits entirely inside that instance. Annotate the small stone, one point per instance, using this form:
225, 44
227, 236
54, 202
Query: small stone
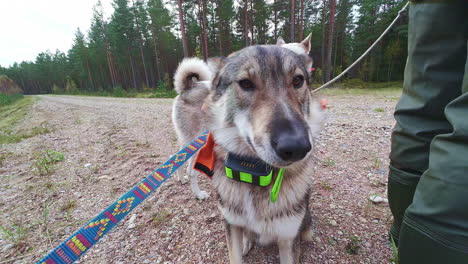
186, 211
362, 219
340, 233
378, 199
131, 222
7, 247
375, 221
333, 223
87, 165
170, 232
159, 260
367, 244
332, 206
318, 240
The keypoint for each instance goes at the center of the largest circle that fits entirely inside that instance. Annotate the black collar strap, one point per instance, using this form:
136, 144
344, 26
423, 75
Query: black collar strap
249, 170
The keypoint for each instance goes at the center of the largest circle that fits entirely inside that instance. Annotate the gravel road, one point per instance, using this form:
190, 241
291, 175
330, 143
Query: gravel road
110, 144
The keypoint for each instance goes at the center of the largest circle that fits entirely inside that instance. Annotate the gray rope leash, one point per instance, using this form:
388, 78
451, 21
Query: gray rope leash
365, 53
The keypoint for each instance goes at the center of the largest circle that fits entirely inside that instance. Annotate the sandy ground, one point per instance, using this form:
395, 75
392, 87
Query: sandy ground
111, 144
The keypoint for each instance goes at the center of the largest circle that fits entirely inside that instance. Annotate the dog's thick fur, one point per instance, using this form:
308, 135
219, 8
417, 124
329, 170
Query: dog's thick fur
242, 123
192, 82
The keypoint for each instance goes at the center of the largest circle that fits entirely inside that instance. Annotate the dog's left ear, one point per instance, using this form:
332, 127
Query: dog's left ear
306, 43
280, 41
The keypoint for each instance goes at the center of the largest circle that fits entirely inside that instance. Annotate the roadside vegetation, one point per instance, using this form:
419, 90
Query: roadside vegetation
162, 91
11, 114
6, 99
359, 87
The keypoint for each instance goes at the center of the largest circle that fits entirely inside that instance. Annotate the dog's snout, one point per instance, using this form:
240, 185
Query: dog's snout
290, 140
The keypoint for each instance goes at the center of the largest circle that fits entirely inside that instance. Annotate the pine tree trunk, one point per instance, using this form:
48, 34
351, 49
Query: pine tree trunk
252, 30
182, 29
293, 22
156, 56
275, 21
89, 74
140, 45
220, 27
301, 32
334, 56
246, 23
330, 38
133, 69
202, 4
324, 40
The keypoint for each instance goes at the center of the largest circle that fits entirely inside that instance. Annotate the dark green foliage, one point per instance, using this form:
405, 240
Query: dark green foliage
139, 46
6, 99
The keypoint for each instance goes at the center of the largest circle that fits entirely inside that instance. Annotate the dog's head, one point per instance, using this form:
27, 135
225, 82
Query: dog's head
262, 93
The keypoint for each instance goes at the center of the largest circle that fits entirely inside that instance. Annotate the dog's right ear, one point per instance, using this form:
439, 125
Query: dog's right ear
280, 41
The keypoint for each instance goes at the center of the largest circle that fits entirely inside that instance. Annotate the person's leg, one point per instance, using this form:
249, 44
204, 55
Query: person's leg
435, 226
433, 77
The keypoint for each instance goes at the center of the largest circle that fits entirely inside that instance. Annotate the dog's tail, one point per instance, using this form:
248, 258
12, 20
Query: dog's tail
191, 70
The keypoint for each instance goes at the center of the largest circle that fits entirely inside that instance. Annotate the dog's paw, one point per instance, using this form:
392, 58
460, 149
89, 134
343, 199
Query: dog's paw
183, 179
247, 245
202, 195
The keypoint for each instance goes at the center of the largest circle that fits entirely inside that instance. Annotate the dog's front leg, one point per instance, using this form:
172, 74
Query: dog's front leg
234, 242
193, 174
287, 252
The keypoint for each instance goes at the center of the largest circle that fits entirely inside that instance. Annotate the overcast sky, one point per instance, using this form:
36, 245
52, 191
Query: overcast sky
28, 27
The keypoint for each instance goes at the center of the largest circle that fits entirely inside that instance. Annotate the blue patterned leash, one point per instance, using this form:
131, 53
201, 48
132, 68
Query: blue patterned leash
77, 244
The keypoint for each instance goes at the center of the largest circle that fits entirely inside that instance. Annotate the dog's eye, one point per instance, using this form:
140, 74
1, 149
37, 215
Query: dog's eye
247, 84
298, 81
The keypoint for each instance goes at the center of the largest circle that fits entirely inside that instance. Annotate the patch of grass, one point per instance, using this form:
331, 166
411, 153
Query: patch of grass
326, 185
45, 161
159, 218
10, 115
160, 92
395, 252
6, 99
329, 162
16, 235
68, 206
3, 156
78, 121
353, 245
379, 110
40, 130
50, 186
142, 144
359, 87
377, 163
121, 151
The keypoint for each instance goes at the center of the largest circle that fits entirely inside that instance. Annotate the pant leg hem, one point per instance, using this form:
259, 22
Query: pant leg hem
433, 236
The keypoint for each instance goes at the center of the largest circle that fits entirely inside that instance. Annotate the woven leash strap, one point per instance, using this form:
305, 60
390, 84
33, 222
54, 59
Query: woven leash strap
78, 243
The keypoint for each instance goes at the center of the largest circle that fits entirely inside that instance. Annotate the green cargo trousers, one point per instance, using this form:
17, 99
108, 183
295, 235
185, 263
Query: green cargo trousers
428, 179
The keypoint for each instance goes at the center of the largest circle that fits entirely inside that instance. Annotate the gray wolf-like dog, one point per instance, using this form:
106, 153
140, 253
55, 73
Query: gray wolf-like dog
258, 106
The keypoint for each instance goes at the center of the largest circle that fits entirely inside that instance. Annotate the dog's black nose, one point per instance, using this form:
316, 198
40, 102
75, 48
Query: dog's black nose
290, 140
